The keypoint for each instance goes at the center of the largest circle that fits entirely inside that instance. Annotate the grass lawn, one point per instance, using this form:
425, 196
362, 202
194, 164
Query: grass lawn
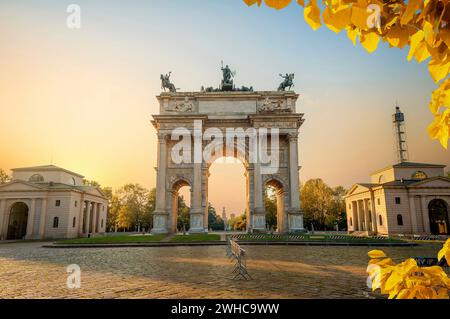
318, 238
195, 238
124, 239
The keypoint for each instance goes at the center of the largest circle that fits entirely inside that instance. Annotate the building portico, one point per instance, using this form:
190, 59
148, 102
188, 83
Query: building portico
50, 202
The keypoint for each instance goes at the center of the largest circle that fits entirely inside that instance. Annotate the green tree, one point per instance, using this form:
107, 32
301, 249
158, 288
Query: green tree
87, 182
337, 214
270, 204
4, 178
316, 197
147, 218
239, 222
215, 222
184, 218
134, 201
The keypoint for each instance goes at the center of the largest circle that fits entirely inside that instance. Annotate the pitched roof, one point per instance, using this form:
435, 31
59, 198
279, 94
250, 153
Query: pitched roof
412, 164
45, 168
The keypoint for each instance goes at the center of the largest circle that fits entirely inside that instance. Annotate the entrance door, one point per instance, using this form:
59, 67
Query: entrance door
439, 223
17, 226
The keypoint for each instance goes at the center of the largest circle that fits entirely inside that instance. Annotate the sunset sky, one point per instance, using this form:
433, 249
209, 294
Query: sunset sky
83, 99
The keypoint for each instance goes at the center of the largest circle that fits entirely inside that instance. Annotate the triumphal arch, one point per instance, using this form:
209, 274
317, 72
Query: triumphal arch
260, 128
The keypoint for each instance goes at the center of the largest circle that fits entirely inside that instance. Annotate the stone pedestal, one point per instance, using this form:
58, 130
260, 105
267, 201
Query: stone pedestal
295, 222
259, 222
160, 222
196, 223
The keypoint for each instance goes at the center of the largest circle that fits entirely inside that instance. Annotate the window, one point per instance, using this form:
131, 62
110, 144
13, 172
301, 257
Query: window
399, 220
351, 221
58, 203
74, 221
55, 222
349, 206
378, 201
36, 178
102, 224
76, 203
380, 220
397, 200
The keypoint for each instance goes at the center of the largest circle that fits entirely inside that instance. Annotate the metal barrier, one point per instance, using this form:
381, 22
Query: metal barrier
234, 251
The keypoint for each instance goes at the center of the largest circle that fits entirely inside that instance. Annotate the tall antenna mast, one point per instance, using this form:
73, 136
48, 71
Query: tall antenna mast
398, 120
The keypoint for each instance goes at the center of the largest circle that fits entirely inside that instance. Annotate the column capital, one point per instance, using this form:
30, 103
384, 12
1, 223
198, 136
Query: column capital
293, 136
162, 136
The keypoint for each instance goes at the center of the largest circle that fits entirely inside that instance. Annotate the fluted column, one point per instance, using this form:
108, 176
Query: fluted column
2, 218
295, 215
354, 216
413, 215
160, 219
94, 217
259, 215
360, 219
425, 214
43, 218
366, 214
81, 216
374, 213
88, 217
30, 222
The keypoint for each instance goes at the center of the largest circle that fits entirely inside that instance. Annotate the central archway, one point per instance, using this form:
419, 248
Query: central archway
438, 212
18, 218
228, 193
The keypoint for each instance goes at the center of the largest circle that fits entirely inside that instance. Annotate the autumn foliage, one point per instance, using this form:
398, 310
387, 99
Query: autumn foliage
407, 280
423, 26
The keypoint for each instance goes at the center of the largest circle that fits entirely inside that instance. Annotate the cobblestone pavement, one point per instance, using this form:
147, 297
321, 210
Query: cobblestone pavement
29, 271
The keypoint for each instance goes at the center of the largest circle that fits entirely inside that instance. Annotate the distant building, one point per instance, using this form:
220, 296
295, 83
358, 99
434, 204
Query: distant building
225, 219
406, 198
50, 202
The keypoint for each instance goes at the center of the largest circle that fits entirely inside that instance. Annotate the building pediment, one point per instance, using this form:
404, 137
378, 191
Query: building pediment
433, 182
359, 188
19, 185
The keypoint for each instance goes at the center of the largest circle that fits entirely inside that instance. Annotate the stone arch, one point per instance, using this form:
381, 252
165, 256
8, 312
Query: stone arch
216, 115
281, 195
176, 185
438, 211
18, 221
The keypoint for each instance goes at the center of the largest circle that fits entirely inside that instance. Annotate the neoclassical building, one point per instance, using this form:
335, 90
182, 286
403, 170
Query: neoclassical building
406, 198
50, 202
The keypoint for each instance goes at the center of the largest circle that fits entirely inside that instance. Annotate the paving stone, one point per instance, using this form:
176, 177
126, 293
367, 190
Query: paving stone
29, 271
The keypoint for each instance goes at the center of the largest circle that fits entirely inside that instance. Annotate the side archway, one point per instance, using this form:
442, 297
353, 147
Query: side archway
18, 219
274, 189
184, 221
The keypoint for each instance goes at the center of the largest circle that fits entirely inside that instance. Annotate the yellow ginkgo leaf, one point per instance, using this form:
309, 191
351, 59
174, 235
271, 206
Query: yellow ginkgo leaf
312, 14
252, 2
411, 9
376, 254
336, 21
369, 41
278, 4
438, 69
359, 17
301, 2
352, 34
